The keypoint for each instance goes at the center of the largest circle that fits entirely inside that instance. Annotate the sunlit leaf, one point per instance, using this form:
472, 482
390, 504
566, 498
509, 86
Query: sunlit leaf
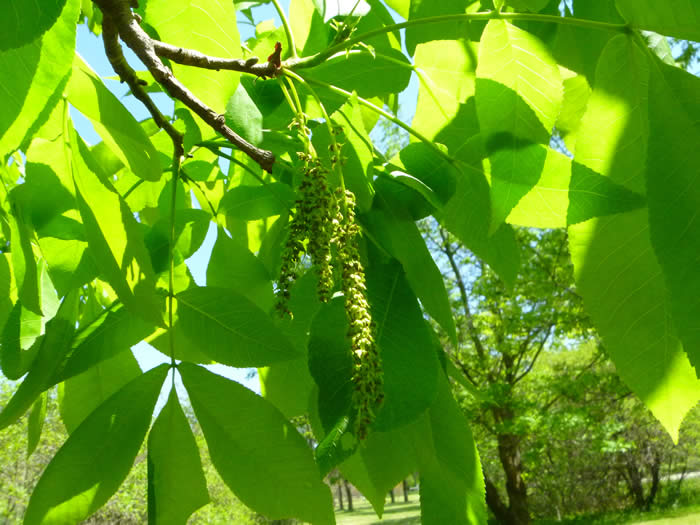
249, 456
96, 458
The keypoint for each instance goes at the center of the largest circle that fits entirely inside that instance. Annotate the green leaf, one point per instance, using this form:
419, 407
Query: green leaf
249, 440
114, 236
249, 203
115, 330
306, 22
96, 458
569, 192
113, 122
409, 361
233, 266
528, 5
176, 483
83, 393
451, 483
450, 30
209, 26
676, 18
331, 363
28, 21
54, 347
383, 460
402, 240
467, 216
518, 98
446, 71
20, 341
624, 292
674, 197
35, 423
34, 75
288, 384
244, 117
593, 195
24, 264
368, 75
356, 150
614, 131
576, 95
400, 6
230, 328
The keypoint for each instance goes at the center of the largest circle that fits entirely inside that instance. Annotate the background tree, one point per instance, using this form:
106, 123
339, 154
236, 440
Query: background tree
501, 335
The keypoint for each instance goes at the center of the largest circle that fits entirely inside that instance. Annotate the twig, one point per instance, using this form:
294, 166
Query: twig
191, 57
113, 50
142, 45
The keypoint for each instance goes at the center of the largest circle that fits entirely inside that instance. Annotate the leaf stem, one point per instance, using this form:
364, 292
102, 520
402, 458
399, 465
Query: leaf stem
322, 56
177, 164
287, 28
331, 132
380, 111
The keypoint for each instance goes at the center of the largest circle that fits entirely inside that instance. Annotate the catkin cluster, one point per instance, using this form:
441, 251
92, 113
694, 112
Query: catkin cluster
311, 231
323, 220
367, 369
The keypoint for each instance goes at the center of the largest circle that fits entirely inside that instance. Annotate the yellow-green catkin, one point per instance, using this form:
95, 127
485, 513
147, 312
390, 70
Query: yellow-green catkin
367, 369
310, 231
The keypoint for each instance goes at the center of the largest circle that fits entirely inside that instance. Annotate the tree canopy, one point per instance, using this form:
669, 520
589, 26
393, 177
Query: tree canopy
319, 276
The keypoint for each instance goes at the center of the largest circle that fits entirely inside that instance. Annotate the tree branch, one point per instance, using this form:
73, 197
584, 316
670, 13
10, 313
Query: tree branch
534, 358
142, 45
113, 50
191, 57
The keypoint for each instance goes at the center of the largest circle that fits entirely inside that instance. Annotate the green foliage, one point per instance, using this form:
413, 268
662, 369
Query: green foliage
94, 238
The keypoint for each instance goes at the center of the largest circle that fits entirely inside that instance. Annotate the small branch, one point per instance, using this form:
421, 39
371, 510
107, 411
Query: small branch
534, 358
191, 57
113, 50
142, 45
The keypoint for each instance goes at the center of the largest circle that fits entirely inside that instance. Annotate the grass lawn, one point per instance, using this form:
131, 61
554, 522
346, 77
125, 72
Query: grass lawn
401, 513
398, 513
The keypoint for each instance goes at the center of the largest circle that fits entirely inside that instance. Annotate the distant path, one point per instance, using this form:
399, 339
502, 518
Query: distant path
690, 519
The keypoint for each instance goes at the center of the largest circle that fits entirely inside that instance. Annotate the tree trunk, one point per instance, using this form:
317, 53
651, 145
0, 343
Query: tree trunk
633, 477
655, 467
493, 500
340, 495
348, 494
405, 491
509, 454
391, 495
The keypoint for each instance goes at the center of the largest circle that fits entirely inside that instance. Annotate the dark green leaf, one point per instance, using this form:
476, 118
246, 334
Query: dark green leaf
677, 18
28, 21
244, 117
368, 75
408, 359
674, 196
